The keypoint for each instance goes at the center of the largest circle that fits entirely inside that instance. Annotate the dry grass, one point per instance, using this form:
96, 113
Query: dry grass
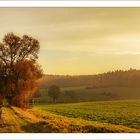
65, 124
10, 121
27, 120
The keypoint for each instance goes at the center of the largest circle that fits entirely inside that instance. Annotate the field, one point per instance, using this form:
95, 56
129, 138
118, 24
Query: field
107, 110
88, 117
126, 113
17, 120
83, 94
114, 105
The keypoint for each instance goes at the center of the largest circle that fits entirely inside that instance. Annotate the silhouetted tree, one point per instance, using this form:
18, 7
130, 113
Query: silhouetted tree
54, 92
19, 70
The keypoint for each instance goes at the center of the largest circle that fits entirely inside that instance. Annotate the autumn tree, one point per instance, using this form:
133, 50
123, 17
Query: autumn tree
19, 70
54, 92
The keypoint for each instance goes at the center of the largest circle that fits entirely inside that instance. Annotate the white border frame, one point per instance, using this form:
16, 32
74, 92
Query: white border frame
69, 136
48, 3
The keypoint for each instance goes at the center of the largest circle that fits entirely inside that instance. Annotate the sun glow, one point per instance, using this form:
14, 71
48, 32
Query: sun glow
79, 40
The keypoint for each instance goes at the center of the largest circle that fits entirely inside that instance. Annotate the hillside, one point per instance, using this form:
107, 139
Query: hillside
119, 78
115, 85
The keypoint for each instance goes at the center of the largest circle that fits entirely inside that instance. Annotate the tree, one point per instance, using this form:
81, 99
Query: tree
19, 70
54, 92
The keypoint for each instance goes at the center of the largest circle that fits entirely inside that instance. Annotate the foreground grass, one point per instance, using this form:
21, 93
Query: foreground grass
126, 113
75, 125
10, 122
26, 120
16, 120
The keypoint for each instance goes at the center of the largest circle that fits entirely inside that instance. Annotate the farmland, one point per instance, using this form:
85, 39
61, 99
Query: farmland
28, 120
77, 109
126, 113
107, 110
82, 94
89, 117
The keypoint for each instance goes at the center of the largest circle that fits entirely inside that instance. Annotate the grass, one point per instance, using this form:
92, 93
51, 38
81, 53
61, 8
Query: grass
82, 94
76, 125
37, 121
126, 112
10, 121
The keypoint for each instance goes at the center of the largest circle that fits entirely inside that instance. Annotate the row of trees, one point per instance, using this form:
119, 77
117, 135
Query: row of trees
118, 78
19, 70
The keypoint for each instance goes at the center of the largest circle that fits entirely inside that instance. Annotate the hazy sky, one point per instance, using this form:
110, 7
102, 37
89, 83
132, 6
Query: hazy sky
79, 40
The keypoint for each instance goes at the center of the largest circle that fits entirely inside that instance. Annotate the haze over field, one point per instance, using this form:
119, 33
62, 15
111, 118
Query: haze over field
79, 40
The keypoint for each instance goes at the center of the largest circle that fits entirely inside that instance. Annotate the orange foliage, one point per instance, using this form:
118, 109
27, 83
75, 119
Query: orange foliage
28, 73
19, 70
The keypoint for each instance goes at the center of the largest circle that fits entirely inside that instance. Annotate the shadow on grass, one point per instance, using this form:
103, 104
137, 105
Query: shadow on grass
45, 127
40, 127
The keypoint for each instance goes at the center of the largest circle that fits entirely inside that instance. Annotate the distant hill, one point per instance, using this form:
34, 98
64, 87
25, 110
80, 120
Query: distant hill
119, 78
115, 85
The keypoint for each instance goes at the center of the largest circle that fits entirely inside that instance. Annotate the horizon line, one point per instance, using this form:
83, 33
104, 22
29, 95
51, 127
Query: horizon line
91, 74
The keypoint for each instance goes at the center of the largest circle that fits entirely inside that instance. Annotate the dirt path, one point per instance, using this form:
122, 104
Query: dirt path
12, 121
17, 120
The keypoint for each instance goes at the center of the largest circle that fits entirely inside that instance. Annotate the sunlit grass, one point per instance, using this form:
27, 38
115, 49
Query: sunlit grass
125, 113
66, 124
41, 121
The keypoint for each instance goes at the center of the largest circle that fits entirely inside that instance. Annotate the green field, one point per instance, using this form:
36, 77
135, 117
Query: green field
125, 112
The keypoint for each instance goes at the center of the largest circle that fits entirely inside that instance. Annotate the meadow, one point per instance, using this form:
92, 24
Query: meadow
79, 109
118, 116
84, 94
33, 120
125, 112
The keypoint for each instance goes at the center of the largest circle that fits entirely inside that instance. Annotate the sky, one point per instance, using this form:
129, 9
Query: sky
79, 41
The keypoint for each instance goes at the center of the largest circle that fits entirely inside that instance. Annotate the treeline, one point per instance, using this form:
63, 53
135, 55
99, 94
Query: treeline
118, 78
